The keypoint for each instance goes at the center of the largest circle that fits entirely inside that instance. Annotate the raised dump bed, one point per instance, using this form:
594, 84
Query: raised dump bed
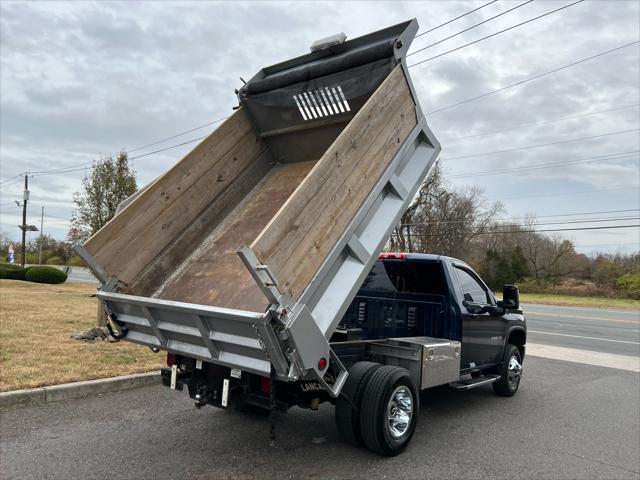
248, 251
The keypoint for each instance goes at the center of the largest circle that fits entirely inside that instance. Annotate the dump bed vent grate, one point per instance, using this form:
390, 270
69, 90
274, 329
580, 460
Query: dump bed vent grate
323, 102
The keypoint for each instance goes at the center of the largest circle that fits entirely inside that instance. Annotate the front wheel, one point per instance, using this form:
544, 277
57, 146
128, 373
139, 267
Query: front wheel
510, 373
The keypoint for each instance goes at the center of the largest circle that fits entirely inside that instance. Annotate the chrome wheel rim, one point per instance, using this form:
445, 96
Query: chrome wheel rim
515, 371
400, 411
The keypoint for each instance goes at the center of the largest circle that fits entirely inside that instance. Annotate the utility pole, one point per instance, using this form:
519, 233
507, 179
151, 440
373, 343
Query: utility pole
25, 199
41, 236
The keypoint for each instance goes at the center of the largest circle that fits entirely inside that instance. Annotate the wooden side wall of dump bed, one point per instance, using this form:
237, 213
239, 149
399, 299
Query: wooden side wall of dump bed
146, 245
299, 238
178, 239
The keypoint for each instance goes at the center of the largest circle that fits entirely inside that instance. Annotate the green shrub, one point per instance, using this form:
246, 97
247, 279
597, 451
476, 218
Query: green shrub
12, 273
629, 284
568, 286
55, 261
42, 274
32, 258
14, 266
76, 261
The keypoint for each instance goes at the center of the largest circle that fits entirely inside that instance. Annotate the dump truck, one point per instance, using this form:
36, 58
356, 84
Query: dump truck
244, 259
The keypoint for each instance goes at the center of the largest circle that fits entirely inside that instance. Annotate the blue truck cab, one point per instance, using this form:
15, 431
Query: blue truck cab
415, 294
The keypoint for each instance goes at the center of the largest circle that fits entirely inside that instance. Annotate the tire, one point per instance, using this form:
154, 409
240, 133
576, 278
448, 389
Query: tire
389, 393
348, 403
510, 373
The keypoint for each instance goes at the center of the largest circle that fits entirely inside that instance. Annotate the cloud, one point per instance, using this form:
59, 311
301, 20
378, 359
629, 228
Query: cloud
79, 80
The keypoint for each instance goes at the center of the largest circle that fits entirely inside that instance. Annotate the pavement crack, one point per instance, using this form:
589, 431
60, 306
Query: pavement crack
598, 461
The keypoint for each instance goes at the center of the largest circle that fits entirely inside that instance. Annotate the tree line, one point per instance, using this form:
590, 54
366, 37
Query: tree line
461, 223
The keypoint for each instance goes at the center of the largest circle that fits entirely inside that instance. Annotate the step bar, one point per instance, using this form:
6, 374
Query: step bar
474, 382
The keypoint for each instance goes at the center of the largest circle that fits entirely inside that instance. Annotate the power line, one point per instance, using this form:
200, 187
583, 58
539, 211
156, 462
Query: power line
545, 165
535, 77
620, 132
178, 134
12, 183
469, 28
57, 218
605, 244
53, 170
536, 124
167, 148
533, 223
7, 179
82, 166
540, 230
606, 227
72, 170
496, 33
454, 19
593, 220
566, 193
587, 213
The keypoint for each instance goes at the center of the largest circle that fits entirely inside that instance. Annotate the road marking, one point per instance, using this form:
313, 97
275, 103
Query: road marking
557, 321
572, 308
580, 336
600, 359
580, 316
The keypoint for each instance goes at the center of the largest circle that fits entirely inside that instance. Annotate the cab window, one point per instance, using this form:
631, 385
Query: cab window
418, 277
472, 290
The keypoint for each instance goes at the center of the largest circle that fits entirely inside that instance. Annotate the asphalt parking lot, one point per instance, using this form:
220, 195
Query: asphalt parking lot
568, 420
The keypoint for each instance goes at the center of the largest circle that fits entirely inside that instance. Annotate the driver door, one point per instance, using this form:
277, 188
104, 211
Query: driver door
482, 333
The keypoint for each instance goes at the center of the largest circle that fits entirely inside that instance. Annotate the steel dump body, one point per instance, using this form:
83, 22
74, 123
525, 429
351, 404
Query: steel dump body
248, 251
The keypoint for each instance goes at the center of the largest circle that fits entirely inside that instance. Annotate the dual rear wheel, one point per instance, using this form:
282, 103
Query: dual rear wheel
378, 408
379, 404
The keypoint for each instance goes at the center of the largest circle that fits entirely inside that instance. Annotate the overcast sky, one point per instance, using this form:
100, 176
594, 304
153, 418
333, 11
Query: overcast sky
79, 80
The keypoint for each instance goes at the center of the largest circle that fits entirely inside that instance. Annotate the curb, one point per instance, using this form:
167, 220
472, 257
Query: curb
67, 391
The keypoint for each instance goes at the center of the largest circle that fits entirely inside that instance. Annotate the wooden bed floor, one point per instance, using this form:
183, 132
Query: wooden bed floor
214, 274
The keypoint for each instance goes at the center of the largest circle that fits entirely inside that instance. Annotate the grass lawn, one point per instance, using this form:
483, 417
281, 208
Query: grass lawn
568, 300
36, 322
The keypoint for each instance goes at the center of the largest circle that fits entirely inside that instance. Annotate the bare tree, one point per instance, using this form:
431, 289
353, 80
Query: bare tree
444, 221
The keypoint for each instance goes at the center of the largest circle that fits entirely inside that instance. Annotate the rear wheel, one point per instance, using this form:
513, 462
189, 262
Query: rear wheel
389, 412
510, 373
349, 402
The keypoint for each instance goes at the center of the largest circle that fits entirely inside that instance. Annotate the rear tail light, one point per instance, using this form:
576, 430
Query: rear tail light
171, 359
392, 255
322, 364
265, 385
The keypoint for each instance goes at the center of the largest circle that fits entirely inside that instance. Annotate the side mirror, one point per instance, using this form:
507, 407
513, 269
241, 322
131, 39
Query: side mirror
510, 297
